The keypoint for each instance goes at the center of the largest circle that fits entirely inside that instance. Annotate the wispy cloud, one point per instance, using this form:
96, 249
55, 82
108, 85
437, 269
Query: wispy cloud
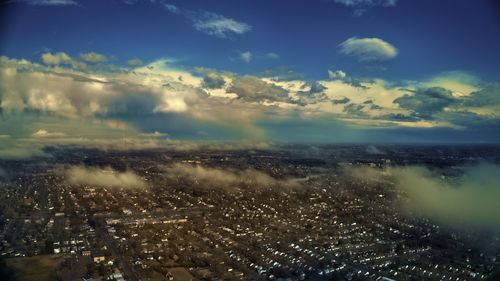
272, 55
49, 2
211, 23
246, 56
361, 6
227, 179
368, 49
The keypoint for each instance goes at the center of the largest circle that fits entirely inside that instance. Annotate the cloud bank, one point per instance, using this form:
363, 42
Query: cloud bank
469, 200
227, 179
106, 177
82, 100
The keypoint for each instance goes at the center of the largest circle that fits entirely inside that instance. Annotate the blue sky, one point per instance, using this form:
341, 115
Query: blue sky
320, 70
431, 36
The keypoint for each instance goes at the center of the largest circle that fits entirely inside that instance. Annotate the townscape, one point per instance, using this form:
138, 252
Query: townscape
292, 213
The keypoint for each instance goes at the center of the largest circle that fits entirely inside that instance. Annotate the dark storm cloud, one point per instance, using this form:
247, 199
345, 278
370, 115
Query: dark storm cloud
426, 102
343, 100
312, 89
354, 109
213, 81
399, 117
316, 87
254, 89
485, 97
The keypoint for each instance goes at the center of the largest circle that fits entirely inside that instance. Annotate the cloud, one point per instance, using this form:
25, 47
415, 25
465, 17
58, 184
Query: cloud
154, 134
354, 109
371, 149
106, 177
343, 100
467, 200
486, 97
311, 91
426, 102
93, 57
211, 23
361, 6
282, 74
368, 49
227, 179
135, 62
470, 200
246, 56
254, 89
56, 58
315, 87
342, 76
220, 26
213, 80
116, 109
337, 74
272, 55
46, 134
459, 82
61, 58
50, 2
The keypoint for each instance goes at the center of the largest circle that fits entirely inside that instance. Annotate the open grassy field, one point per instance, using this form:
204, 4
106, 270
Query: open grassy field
39, 268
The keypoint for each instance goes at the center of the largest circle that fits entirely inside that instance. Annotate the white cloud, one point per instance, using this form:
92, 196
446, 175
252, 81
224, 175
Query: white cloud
46, 134
61, 58
211, 23
220, 26
337, 74
368, 49
361, 6
246, 56
154, 134
93, 57
56, 58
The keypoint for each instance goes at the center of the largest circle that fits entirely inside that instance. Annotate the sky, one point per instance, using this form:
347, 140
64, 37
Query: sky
133, 74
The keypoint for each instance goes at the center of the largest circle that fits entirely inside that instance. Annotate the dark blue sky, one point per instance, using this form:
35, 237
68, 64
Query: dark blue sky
430, 36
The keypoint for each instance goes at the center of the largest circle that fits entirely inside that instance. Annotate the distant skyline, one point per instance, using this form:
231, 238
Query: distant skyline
156, 73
